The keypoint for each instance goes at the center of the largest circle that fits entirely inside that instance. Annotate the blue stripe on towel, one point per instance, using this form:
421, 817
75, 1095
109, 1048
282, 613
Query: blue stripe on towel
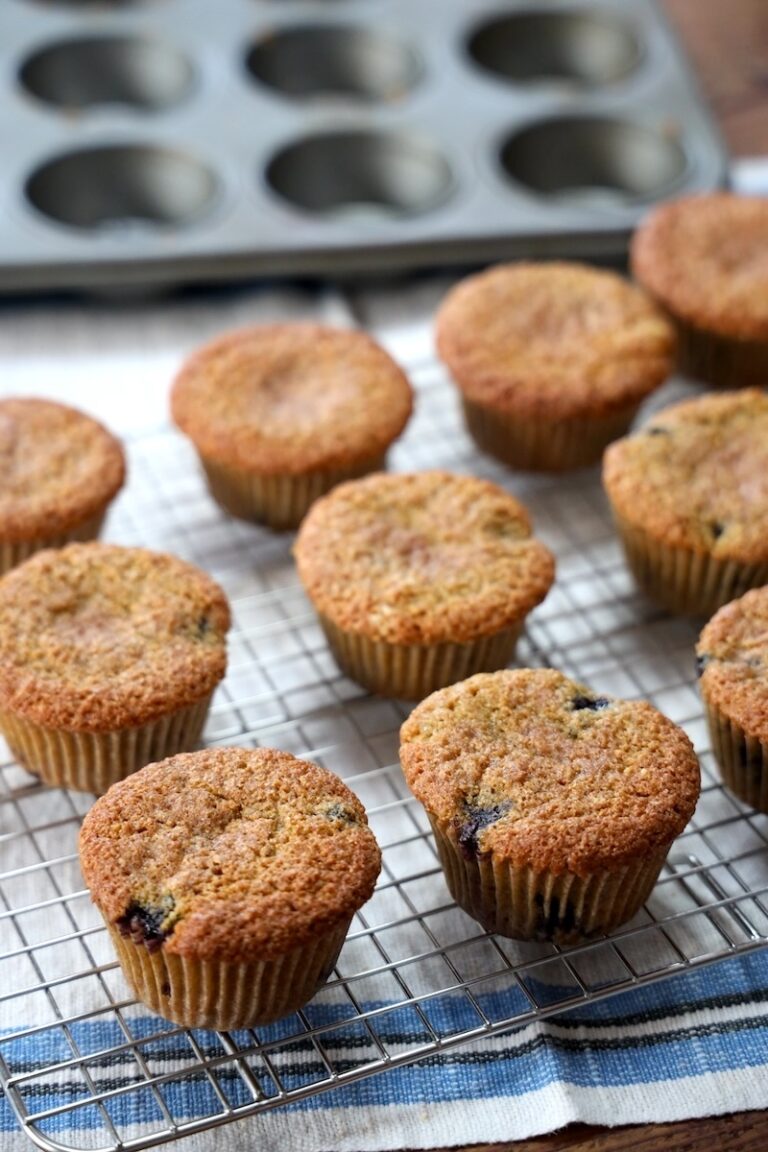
575, 1049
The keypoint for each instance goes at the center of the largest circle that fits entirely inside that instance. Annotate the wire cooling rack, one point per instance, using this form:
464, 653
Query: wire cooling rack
84, 1066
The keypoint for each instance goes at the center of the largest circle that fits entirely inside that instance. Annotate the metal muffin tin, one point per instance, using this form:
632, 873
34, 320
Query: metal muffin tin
161, 141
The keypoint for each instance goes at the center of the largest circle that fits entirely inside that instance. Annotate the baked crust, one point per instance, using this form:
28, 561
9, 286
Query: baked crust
553, 341
575, 782
422, 558
291, 398
58, 467
705, 258
733, 655
242, 854
696, 476
96, 637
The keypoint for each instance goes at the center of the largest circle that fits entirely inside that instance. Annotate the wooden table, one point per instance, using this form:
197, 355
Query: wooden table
727, 41
742, 1132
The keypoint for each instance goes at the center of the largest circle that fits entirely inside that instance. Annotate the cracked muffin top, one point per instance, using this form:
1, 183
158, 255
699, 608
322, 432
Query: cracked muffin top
696, 476
58, 467
422, 558
706, 259
228, 854
553, 340
96, 637
540, 771
291, 398
732, 657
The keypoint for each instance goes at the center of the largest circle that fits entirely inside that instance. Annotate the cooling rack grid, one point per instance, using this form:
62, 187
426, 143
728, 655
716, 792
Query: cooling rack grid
84, 1066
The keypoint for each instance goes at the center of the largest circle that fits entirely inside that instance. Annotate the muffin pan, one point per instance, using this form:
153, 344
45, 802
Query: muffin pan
151, 142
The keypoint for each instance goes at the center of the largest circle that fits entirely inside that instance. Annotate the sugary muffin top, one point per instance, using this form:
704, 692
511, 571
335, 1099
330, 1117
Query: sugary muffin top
553, 340
291, 398
422, 558
228, 854
706, 259
696, 476
96, 637
58, 467
543, 773
733, 659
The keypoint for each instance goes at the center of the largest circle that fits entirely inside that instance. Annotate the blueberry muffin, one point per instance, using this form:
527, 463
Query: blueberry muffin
704, 260
281, 413
228, 880
109, 657
552, 360
421, 579
553, 808
689, 494
59, 471
732, 658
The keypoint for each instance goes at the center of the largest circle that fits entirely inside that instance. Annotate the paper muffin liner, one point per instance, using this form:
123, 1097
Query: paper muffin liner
526, 904
683, 581
92, 761
743, 759
222, 994
413, 671
15, 552
721, 362
279, 501
544, 445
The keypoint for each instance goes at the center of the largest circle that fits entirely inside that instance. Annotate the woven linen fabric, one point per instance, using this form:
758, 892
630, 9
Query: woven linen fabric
694, 1045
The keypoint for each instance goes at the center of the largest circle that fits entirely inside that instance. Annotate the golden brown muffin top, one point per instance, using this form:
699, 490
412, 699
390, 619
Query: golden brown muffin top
706, 259
291, 398
422, 558
733, 659
58, 467
553, 340
96, 637
229, 854
696, 476
543, 773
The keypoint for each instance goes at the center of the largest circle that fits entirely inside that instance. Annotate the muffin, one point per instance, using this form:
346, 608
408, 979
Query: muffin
689, 494
421, 579
705, 260
553, 809
59, 471
228, 880
732, 656
109, 657
552, 360
279, 414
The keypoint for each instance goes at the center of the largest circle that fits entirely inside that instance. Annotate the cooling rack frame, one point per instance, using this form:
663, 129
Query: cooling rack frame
417, 977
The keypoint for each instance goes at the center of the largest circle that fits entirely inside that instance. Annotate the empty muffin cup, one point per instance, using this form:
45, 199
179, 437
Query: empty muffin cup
97, 71
582, 48
382, 174
117, 185
594, 156
344, 62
